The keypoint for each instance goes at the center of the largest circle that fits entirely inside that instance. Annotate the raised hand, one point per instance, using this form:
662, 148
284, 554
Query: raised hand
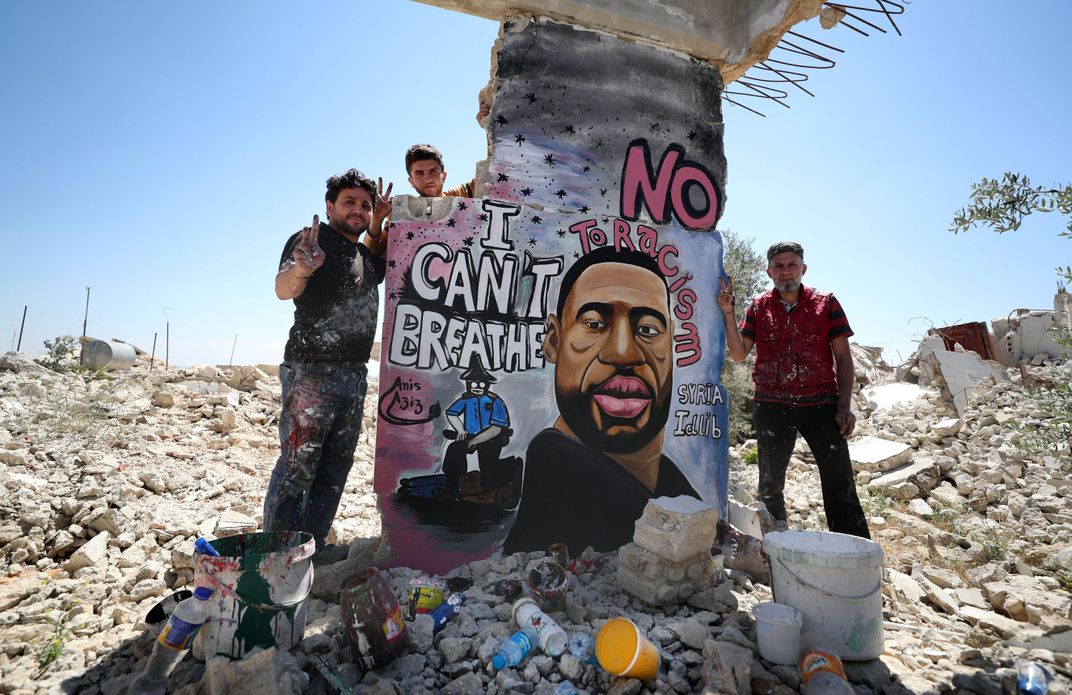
307, 255
726, 300
381, 210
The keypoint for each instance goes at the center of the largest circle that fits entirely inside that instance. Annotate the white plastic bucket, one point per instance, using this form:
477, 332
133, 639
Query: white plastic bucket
778, 632
835, 581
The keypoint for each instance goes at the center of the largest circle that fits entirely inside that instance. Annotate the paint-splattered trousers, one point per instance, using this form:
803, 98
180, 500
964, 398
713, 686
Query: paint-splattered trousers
776, 428
318, 429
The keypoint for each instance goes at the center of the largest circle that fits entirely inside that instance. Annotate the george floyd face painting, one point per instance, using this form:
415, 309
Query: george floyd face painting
538, 388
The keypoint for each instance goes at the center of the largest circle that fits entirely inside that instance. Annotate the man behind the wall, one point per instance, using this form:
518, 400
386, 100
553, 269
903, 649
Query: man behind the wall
589, 476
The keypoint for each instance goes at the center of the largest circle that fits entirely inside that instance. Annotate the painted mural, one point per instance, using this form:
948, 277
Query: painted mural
544, 374
551, 351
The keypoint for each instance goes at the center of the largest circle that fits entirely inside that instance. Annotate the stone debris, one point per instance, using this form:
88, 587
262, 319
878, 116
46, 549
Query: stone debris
110, 480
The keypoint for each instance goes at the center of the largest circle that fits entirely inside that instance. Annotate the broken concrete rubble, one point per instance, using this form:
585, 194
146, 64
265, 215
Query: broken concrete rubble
997, 550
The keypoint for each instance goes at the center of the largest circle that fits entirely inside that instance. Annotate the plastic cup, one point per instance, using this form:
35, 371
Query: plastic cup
622, 650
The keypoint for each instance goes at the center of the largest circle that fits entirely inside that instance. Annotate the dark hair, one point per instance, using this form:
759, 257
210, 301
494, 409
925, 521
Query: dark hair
351, 178
422, 151
607, 254
782, 247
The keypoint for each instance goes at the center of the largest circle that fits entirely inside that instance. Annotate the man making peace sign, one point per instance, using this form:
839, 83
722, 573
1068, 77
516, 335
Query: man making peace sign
332, 279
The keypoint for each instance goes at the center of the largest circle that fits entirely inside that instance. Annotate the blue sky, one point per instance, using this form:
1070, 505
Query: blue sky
162, 154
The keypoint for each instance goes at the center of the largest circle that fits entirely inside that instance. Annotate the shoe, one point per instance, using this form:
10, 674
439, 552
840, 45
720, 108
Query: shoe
330, 554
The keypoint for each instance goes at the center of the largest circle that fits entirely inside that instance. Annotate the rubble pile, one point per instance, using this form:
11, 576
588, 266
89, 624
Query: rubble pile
109, 480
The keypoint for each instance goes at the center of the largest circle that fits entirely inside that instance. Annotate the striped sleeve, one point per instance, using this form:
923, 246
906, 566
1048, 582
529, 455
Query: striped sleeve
839, 325
748, 324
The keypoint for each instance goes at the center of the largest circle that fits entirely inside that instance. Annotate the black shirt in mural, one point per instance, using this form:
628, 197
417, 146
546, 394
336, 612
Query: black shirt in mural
575, 495
335, 317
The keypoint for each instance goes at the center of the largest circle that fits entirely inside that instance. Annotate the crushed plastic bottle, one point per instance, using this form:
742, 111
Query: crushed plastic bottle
514, 649
1032, 678
172, 644
583, 646
446, 611
823, 673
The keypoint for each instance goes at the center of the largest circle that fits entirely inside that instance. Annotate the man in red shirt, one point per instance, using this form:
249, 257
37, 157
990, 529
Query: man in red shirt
803, 378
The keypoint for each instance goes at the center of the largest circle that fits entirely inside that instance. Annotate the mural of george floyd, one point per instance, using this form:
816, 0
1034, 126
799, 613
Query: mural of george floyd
551, 350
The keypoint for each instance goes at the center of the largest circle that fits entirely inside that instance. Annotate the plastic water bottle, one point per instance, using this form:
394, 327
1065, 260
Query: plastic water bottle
513, 649
172, 644
565, 688
1032, 678
446, 611
823, 673
583, 646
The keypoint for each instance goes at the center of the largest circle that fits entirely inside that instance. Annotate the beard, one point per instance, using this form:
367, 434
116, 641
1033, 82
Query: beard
787, 287
346, 228
577, 410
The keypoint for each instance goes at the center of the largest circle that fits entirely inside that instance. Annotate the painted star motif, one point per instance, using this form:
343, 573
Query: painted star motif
561, 233
587, 168
549, 159
576, 255
526, 191
462, 205
451, 222
584, 208
569, 129
532, 241
483, 217
599, 144
603, 191
502, 177
561, 193
537, 219
392, 295
691, 135
468, 241
519, 138
532, 98
409, 236
653, 127
391, 263
501, 120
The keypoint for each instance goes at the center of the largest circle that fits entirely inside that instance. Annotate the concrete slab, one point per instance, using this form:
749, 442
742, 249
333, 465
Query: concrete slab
877, 454
924, 468
732, 34
962, 371
885, 396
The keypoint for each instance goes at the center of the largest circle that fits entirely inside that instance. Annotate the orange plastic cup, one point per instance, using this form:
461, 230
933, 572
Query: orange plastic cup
622, 650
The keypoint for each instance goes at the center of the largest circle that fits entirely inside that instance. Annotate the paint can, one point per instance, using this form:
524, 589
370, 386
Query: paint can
261, 583
373, 619
425, 593
548, 581
559, 552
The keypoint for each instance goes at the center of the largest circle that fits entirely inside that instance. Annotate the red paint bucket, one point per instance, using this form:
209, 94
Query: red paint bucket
373, 619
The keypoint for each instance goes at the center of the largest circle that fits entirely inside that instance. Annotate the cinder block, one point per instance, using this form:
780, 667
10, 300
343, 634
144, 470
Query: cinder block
658, 581
676, 528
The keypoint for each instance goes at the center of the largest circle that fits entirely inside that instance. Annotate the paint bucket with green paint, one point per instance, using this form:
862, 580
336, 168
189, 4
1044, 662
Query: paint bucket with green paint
261, 583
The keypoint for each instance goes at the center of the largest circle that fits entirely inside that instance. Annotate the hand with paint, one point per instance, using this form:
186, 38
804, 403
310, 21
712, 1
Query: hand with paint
382, 209
307, 255
726, 300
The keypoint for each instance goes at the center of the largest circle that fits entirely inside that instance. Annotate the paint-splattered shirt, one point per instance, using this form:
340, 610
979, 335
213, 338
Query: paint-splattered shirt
335, 317
794, 362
